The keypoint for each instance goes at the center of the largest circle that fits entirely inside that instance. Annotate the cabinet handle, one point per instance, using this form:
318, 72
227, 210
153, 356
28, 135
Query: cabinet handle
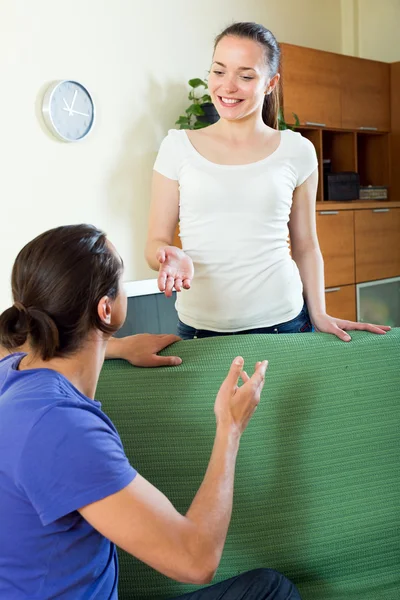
315, 124
368, 128
329, 212
380, 209
327, 290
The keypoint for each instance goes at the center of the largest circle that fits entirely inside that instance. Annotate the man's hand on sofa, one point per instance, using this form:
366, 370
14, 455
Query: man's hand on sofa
327, 324
142, 350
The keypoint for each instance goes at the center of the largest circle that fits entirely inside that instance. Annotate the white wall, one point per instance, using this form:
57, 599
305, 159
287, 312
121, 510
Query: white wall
135, 58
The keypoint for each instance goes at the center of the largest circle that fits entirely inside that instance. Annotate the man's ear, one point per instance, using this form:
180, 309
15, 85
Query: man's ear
104, 310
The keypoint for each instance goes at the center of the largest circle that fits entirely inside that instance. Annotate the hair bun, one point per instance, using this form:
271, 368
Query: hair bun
14, 326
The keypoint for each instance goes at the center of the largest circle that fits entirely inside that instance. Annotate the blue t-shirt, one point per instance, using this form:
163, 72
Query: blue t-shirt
58, 452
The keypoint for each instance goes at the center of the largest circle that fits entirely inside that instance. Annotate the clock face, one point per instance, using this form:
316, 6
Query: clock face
68, 110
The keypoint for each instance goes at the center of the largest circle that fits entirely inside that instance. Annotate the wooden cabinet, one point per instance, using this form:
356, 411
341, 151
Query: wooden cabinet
377, 243
335, 91
177, 240
335, 230
373, 158
341, 302
365, 93
311, 86
395, 135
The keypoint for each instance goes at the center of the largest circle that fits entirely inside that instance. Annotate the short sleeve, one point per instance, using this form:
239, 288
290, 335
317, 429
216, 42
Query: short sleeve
166, 161
307, 160
72, 457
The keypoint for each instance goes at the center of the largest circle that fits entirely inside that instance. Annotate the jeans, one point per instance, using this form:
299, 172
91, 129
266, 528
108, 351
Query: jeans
260, 584
300, 324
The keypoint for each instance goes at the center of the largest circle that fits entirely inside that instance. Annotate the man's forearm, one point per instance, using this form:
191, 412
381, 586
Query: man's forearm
113, 348
211, 508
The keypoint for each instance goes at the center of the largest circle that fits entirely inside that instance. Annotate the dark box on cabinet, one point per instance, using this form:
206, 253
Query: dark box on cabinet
342, 186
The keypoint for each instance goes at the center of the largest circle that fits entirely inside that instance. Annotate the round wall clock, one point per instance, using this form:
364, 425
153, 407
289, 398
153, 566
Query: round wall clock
68, 110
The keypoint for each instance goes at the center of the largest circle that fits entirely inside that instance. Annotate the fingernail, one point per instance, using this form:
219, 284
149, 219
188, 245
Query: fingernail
347, 338
239, 360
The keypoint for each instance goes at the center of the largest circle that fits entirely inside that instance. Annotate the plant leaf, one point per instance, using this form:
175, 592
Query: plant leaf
195, 109
205, 98
296, 120
194, 83
182, 120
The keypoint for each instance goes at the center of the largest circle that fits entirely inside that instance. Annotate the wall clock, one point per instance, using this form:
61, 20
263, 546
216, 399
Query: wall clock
68, 110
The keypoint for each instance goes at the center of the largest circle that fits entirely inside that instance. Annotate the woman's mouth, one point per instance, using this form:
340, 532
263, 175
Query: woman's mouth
229, 102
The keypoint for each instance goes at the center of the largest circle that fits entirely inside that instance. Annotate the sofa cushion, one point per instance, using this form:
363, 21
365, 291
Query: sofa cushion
318, 473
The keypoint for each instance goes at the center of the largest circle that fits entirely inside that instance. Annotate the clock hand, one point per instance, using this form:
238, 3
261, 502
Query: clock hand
65, 102
73, 102
76, 112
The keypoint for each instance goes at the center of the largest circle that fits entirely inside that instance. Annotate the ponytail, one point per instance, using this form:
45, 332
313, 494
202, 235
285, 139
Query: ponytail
13, 328
271, 107
19, 324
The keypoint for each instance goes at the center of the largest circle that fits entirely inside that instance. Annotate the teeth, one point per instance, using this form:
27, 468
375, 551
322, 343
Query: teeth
230, 100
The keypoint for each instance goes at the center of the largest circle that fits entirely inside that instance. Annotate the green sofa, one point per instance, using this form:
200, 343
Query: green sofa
317, 492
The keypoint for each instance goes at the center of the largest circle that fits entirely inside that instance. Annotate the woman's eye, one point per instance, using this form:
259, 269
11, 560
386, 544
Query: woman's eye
247, 78
218, 72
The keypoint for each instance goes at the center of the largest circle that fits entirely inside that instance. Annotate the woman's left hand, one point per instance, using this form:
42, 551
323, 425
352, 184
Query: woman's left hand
327, 324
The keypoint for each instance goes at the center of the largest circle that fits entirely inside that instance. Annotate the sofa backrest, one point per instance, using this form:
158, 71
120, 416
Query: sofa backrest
318, 474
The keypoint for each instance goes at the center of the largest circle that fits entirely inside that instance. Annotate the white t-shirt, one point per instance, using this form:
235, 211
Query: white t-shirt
234, 226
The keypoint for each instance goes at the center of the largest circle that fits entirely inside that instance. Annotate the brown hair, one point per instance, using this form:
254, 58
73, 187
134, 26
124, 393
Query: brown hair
57, 282
266, 39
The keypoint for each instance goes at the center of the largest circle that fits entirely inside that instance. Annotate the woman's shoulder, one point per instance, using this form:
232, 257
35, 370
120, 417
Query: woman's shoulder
295, 138
175, 135
296, 143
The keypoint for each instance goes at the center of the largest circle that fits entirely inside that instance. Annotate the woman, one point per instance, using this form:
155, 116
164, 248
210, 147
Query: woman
235, 187
68, 494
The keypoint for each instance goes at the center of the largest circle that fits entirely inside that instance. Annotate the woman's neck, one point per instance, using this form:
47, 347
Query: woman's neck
242, 129
82, 369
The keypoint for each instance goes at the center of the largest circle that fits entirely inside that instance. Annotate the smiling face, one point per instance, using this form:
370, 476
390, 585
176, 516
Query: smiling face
239, 78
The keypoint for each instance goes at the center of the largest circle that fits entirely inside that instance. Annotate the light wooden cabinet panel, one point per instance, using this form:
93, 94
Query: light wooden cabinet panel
341, 302
365, 92
377, 243
336, 238
177, 240
395, 135
311, 85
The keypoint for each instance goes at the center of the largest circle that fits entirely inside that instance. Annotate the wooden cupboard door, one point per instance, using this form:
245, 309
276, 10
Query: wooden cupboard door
335, 230
311, 86
341, 302
177, 240
377, 242
365, 88
395, 135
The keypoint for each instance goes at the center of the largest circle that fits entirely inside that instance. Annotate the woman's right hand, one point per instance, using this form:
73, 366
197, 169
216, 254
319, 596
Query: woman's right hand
176, 270
235, 405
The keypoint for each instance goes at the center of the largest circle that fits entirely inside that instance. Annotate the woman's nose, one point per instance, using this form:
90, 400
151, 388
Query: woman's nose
230, 85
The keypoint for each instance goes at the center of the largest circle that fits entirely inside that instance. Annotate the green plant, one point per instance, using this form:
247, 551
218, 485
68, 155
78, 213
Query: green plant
197, 96
282, 123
